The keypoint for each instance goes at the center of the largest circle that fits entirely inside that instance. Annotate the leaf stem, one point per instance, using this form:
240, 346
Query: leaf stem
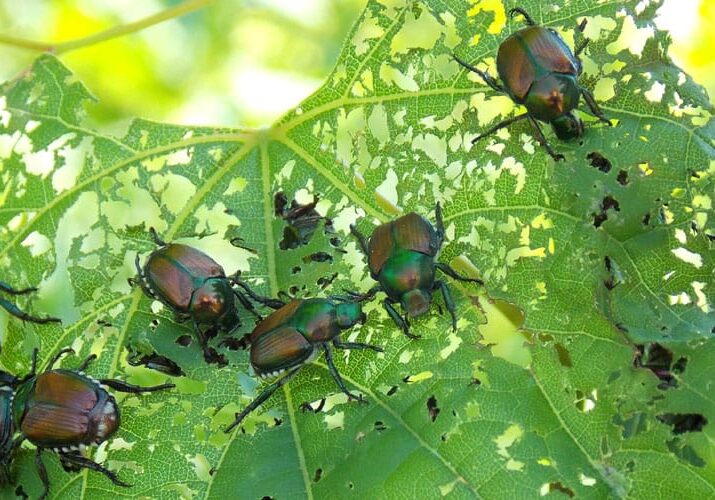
103, 36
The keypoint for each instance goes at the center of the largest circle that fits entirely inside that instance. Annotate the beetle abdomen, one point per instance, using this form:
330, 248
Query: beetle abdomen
530, 54
279, 349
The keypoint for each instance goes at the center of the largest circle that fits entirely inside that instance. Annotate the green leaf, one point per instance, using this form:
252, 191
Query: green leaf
605, 254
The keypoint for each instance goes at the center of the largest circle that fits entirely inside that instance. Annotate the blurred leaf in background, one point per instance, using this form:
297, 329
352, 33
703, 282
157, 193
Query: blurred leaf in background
237, 62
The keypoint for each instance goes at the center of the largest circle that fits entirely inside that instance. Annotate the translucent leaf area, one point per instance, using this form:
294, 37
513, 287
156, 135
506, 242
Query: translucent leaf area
608, 256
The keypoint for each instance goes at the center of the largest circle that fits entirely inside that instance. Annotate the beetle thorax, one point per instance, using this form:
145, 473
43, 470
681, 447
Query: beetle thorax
552, 96
405, 271
211, 300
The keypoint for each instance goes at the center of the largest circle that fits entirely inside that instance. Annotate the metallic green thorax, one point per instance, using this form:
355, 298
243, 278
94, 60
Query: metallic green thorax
407, 272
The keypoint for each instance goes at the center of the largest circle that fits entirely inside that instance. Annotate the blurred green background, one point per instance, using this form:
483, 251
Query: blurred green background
237, 62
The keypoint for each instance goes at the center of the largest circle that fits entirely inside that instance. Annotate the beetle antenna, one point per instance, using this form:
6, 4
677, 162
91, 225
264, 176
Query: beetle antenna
156, 238
527, 18
66, 350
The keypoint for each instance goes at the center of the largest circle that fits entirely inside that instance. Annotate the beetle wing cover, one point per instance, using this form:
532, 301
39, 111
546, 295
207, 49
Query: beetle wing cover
414, 232
409, 232
196, 261
276, 319
57, 412
380, 247
279, 349
530, 54
175, 271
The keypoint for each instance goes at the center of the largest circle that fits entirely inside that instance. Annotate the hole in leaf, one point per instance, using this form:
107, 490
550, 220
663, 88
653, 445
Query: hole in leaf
599, 161
659, 360
392, 390
267, 498
635, 424
564, 356
380, 426
685, 452
552, 487
318, 257
20, 493
156, 362
295, 269
318, 474
615, 276
184, 340
325, 281
308, 407
278, 421
683, 422
586, 402
301, 221
475, 381
607, 203
630, 466
622, 178
432, 408
646, 219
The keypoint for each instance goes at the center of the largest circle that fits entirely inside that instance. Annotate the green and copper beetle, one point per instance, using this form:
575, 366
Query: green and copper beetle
194, 286
294, 335
16, 311
401, 255
64, 411
539, 71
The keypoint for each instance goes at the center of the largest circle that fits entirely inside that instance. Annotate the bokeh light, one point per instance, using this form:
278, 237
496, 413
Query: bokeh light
238, 63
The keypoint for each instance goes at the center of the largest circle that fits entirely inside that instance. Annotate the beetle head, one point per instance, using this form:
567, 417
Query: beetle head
416, 302
568, 126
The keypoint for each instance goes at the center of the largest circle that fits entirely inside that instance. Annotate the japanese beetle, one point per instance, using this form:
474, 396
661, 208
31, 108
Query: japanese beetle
16, 311
293, 335
194, 286
539, 71
64, 411
401, 256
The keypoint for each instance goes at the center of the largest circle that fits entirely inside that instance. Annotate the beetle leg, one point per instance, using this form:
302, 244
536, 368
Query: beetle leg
84, 462
454, 274
500, 126
66, 350
542, 139
448, 301
140, 280
122, 386
267, 392
355, 345
247, 304
19, 313
42, 472
439, 226
527, 18
361, 239
488, 79
86, 362
8, 289
358, 297
399, 320
261, 299
593, 106
156, 238
336, 375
